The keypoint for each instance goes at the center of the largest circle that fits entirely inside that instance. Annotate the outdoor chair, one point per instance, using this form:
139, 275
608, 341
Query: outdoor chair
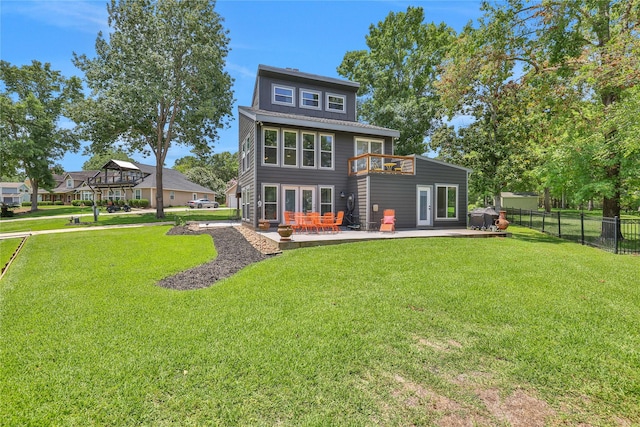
326, 221
338, 222
312, 220
299, 223
388, 222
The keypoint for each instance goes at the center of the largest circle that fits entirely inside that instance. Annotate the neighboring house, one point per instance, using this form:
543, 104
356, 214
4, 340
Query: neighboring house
526, 201
302, 149
14, 193
121, 180
231, 199
68, 188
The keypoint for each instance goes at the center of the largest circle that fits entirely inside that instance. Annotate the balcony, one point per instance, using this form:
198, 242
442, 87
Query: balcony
382, 164
116, 179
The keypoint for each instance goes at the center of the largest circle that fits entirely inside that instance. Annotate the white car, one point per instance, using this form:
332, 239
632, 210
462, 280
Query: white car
202, 203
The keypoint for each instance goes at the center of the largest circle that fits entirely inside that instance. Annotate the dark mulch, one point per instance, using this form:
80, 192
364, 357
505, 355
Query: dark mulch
234, 253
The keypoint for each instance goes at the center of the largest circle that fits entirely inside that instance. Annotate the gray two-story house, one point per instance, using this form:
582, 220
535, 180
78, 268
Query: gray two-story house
302, 149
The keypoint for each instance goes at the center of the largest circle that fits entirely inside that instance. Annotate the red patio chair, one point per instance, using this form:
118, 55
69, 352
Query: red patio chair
388, 222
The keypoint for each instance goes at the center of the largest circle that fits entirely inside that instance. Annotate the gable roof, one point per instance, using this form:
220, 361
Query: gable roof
316, 122
171, 180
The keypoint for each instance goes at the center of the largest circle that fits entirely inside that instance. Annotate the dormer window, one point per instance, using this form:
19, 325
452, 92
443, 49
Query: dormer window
336, 103
283, 95
309, 99
69, 183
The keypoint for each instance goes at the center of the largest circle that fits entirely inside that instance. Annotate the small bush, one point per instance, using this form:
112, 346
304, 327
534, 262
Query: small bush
58, 203
143, 203
26, 203
76, 202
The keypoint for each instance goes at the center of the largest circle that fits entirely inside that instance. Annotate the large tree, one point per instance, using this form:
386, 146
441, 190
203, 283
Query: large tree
33, 101
158, 80
397, 73
213, 171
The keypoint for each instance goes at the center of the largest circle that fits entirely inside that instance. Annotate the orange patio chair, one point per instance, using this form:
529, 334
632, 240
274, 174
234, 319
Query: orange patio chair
326, 221
338, 222
299, 222
388, 221
313, 221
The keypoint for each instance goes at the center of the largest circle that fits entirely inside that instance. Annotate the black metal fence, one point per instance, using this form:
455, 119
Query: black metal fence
620, 236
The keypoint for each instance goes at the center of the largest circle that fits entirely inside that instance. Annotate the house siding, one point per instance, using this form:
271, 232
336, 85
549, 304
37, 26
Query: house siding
265, 87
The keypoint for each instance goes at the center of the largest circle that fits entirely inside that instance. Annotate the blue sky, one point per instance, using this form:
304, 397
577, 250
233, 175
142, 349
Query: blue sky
312, 36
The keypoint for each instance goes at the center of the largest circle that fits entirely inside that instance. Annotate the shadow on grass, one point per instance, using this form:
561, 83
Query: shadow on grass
530, 235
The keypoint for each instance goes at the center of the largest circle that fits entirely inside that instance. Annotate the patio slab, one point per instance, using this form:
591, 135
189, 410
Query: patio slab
304, 240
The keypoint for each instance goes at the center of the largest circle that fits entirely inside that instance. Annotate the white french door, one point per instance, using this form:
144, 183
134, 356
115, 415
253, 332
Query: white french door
424, 213
298, 198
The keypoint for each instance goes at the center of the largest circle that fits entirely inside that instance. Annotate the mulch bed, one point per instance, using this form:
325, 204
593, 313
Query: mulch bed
234, 253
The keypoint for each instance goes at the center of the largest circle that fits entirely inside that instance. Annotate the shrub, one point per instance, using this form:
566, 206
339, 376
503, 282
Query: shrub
26, 203
76, 202
58, 203
143, 203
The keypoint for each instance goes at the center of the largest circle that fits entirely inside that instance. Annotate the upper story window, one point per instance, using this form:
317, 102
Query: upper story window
309, 99
270, 147
290, 148
283, 95
336, 103
69, 183
308, 150
326, 151
246, 145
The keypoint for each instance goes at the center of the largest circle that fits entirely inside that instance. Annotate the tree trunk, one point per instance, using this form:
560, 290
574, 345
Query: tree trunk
159, 189
547, 200
34, 195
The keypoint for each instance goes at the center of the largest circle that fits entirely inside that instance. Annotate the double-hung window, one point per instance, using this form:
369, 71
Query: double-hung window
290, 148
310, 99
336, 103
246, 203
245, 153
308, 150
326, 151
283, 95
326, 200
270, 147
446, 201
270, 202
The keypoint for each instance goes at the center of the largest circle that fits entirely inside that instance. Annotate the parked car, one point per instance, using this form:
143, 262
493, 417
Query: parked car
202, 203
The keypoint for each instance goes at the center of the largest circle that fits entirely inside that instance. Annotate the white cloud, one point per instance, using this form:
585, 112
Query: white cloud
85, 16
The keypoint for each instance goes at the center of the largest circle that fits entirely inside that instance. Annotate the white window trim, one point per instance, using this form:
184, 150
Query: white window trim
246, 203
439, 218
333, 151
273, 95
69, 183
277, 147
314, 92
277, 202
328, 106
316, 150
244, 155
297, 148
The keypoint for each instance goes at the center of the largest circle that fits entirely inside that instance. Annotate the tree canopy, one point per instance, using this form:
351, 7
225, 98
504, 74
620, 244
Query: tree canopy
98, 160
213, 171
397, 74
157, 80
33, 101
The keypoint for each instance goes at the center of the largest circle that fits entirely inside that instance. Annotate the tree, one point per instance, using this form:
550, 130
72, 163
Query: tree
397, 74
97, 161
219, 169
479, 79
34, 99
159, 80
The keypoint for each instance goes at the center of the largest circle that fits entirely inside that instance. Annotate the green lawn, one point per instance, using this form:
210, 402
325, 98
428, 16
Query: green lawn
390, 332
44, 223
7, 248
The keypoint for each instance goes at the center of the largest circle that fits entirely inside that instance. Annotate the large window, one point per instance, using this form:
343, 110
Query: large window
246, 145
336, 103
246, 203
326, 200
290, 148
270, 142
446, 201
270, 202
326, 151
364, 146
309, 99
283, 95
308, 150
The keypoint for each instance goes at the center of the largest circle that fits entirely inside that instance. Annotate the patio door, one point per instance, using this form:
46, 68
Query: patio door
299, 199
424, 213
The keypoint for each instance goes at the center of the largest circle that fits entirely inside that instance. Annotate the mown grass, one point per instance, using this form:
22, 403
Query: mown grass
321, 336
7, 248
113, 219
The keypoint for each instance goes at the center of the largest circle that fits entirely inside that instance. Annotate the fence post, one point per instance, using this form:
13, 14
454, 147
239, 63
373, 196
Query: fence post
615, 234
530, 219
520, 223
582, 227
544, 217
559, 231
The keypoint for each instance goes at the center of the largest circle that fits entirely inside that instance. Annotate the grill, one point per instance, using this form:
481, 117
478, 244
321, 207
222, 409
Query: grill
482, 218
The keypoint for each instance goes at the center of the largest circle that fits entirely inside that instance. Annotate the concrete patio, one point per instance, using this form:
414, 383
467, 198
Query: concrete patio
303, 240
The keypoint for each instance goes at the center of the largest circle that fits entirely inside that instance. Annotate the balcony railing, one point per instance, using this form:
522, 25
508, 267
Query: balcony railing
381, 163
108, 180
